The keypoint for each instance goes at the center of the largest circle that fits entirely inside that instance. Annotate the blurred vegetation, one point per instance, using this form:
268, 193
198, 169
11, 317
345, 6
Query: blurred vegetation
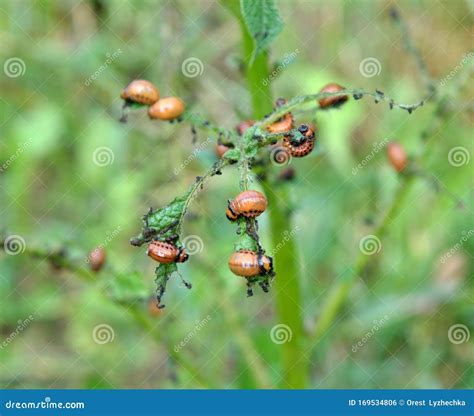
78, 55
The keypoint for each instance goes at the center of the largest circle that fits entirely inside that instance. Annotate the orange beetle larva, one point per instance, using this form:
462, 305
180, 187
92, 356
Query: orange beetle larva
167, 108
166, 252
303, 148
97, 258
244, 125
140, 91
247, 263
221, 148
335, 100
248, 204
285, 123
397, 156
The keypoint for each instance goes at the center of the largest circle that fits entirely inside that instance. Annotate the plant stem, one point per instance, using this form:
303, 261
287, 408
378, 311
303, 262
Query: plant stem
340, 291
287, 287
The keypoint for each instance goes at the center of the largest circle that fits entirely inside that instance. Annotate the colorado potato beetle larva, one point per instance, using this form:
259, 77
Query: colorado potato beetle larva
397, 156
140, 91
167, 108
335, 100
248, 204
248, 263
166, 253
303, 147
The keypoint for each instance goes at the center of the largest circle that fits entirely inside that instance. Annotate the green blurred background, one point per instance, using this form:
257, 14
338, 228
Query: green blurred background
60, 103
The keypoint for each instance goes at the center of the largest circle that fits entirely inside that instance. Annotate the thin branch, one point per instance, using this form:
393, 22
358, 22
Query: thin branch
414, 51
357, 93
197, 186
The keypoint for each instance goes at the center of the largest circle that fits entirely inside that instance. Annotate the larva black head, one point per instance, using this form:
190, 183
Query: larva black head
182, 256
265, 264
303, 128
229, 213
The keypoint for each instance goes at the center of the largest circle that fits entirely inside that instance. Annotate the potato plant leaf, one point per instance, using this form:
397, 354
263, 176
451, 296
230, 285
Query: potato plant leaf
263, 23
163, 272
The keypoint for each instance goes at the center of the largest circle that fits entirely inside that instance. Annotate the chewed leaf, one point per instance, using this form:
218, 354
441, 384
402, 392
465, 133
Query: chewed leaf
163, 273
263, 23
163, 223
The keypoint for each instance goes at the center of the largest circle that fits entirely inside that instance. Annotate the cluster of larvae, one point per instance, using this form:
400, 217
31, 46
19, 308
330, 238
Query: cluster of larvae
143, 92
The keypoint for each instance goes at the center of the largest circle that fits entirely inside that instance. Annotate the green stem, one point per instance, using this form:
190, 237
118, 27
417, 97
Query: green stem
287, 284
340, 291
287, 288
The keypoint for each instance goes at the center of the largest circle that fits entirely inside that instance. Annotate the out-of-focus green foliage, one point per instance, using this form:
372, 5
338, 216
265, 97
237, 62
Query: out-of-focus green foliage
73, 177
